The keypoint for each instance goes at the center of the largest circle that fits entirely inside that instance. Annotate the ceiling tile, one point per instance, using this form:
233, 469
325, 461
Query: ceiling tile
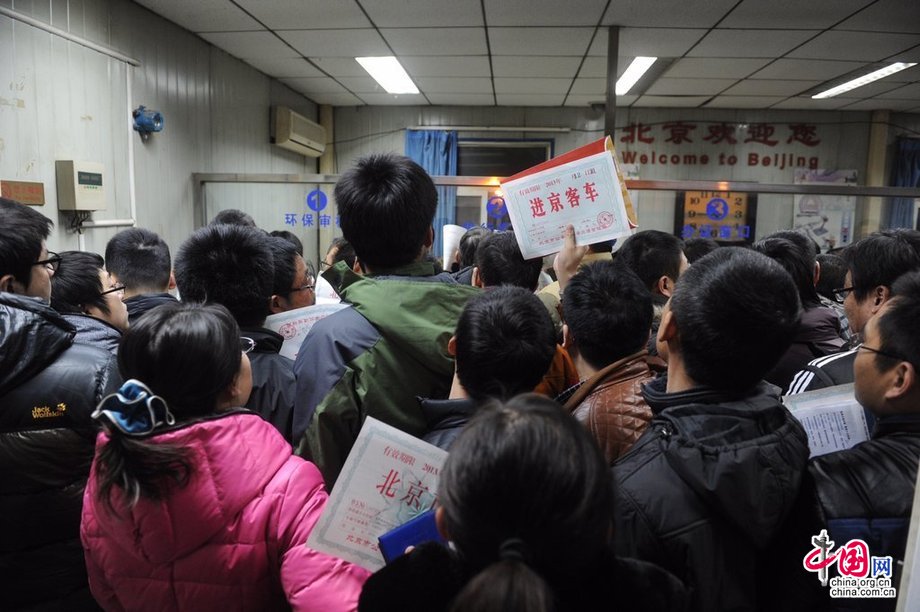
857, 46
667, 13
650, 42
670, 101
339, 66
245, 45
588, 100
423, 13
451, 85
770, 87
336, 99
385, 99
539, 41
445, 66
535, 86
284, 66
782, 14
750, 43
881, 104
596, 67
806, 70
204, 15
812, 104
910, 55
886, 16
713, 68
530, 99
568, 13
461, 99
436, 41
361, 84
302, 14
906, 92
688, 87
314, 85
530, 66
743, 101
592, 87
336, 43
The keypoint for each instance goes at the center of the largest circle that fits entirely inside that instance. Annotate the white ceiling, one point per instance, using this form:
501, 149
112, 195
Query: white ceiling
722, 53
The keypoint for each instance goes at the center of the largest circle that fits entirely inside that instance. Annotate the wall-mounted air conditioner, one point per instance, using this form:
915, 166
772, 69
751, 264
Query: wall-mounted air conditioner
296, 133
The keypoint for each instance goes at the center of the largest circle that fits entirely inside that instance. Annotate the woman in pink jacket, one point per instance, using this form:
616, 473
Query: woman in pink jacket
193, 504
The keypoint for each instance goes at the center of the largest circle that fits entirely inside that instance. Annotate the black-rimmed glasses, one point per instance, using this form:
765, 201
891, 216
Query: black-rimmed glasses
115, 289
841, 293
306, 287
53, 261
247, 344
862, 345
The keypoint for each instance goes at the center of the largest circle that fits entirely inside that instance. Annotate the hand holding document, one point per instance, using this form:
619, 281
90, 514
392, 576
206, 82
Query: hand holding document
832, 418
294, 325
583, 188
388, 479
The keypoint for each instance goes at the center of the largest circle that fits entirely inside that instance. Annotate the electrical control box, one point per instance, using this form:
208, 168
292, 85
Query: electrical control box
80, 185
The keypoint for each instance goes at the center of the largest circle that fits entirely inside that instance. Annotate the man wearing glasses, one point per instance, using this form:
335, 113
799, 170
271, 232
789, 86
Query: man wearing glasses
867, 492
48, 388
873, 264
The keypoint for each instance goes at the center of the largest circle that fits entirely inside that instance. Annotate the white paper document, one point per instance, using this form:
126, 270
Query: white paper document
832, 418
388, 478
294, 325
585, 192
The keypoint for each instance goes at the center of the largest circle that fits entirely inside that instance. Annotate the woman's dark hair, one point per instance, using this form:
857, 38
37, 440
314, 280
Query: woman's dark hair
188, 354
528, 503
286, 235
76, 283
469, 242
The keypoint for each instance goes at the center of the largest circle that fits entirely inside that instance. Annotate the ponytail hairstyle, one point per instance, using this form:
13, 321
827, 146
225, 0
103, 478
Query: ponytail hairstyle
178, 359
528, 503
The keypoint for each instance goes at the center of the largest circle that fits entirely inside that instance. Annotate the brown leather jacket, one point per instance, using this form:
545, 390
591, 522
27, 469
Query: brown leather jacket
611, 406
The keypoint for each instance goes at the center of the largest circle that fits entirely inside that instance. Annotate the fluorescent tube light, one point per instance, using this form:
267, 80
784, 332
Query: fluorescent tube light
632, 74
864, 80
389, 73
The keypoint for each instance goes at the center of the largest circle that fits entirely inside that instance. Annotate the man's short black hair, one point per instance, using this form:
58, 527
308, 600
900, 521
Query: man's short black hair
695, 248
22, 231
231, 265
795, 252
833, 274
652, 254
76, 283
505, 343
284, 256
386, 206
286, 235
140, 259
898, 331
608, 312
500, 262
737, 312
343, 252
232, 216
469, 242
880, 258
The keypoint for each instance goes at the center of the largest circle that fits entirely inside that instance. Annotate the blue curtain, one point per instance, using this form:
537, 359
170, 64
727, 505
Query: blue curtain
905, 173
436, 152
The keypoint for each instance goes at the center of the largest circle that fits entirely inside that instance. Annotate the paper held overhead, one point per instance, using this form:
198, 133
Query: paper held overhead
584, 187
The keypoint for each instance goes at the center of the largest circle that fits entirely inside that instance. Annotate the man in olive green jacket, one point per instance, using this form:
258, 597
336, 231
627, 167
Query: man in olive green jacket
374, 358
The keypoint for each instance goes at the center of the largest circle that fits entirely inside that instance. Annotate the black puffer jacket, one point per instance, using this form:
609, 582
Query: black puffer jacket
273, 383
48, 388
706, 489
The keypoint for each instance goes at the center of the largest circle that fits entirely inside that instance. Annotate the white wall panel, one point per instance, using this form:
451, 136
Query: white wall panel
74, 104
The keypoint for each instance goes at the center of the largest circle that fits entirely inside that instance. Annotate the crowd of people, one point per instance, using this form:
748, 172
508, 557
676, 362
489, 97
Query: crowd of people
617, 436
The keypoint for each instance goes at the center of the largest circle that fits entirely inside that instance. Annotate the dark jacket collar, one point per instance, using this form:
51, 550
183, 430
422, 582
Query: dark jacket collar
896, 423
655, 393
139, 304
32, 335
266, 340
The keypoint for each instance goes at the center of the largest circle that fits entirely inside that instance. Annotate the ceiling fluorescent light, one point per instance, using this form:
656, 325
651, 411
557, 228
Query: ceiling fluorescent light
863, 80
632, 74
389, 73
